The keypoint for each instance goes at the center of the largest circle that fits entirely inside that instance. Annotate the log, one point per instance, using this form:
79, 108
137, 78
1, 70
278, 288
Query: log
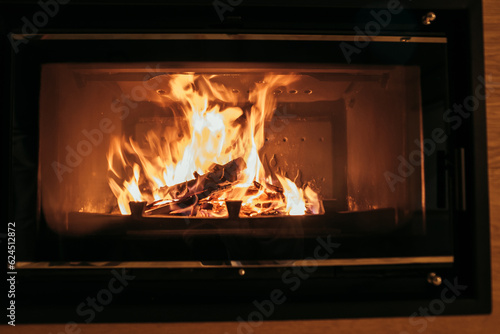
167, 207
188, 193
204, 185
269, 186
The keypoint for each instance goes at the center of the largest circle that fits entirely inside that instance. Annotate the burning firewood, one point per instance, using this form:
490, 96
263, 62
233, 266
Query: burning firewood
274, 188
187, 194
203, 185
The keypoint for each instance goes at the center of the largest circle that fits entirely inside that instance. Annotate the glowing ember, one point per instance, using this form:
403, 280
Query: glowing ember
209, 154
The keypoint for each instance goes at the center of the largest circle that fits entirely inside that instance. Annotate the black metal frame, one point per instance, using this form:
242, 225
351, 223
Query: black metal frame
159, 294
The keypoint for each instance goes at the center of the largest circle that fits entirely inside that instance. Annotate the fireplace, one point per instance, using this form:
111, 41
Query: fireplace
243, 152
271, 141
211, 161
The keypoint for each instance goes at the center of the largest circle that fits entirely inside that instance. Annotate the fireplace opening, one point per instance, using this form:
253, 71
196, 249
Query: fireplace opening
158, 142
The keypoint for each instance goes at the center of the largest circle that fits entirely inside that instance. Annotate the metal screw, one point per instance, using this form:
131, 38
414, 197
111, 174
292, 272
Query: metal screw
428, 18
434, 279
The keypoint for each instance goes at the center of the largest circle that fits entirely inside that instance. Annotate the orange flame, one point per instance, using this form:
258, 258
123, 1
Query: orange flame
210, 128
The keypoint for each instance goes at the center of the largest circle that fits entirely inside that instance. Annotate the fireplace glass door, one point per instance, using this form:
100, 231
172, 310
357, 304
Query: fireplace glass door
229, 162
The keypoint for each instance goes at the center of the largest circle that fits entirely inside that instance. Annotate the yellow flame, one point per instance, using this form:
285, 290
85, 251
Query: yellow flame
209, 128
295, 203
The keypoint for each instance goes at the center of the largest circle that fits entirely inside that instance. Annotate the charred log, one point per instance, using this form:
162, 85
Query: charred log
187, 194
203, 185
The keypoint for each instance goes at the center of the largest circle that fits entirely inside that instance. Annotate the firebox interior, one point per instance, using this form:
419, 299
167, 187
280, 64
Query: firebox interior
334, 131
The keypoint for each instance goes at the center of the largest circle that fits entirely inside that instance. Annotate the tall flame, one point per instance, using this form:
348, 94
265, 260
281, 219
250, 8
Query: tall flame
211, 127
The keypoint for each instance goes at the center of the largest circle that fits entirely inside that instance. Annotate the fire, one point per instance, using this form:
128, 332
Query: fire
207, 155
